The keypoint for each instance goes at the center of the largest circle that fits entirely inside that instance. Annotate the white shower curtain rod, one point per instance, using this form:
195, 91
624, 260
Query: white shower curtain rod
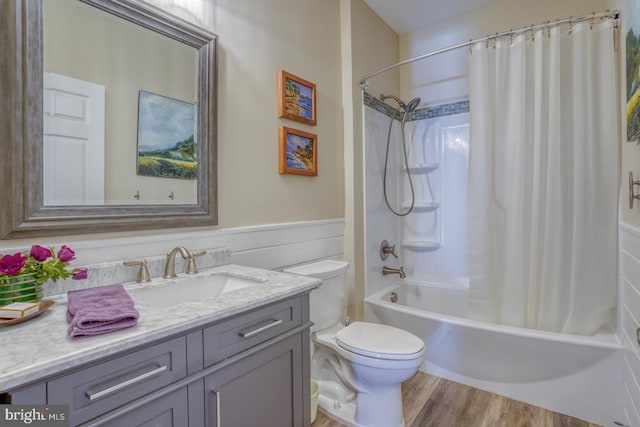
602, 15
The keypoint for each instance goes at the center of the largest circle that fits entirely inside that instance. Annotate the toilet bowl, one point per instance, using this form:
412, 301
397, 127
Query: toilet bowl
363, 387
359, 367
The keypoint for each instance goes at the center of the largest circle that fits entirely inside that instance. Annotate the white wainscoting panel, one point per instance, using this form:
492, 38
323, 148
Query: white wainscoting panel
630, 319
271, 246
276, 247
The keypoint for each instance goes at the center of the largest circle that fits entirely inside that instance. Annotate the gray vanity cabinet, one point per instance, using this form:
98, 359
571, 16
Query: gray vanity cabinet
250, 369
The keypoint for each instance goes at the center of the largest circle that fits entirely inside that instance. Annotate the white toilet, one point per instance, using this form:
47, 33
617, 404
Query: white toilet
360, 366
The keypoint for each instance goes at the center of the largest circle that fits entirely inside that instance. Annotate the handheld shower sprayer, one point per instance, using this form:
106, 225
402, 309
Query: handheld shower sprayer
408, 107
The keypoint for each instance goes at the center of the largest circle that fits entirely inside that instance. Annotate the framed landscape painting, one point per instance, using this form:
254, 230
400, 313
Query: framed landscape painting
633, 70
298, 152
296, 98
166, 137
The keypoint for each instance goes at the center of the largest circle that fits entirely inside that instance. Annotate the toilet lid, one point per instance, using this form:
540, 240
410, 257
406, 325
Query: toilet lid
379, 341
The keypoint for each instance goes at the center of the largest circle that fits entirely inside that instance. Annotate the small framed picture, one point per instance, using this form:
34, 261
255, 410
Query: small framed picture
296, 98
298, 152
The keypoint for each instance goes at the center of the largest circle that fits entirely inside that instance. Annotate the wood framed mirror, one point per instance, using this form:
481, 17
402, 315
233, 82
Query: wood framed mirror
24, 209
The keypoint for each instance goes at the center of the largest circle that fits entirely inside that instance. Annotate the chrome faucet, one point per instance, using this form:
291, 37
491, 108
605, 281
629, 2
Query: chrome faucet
170, 266
388, 270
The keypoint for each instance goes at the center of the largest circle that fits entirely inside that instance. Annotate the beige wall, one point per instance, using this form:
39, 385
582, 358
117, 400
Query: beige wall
444, 78
86, 43
256, 39
368, 44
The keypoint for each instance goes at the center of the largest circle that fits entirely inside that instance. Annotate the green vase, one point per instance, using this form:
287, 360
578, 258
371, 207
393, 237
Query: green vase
19, 288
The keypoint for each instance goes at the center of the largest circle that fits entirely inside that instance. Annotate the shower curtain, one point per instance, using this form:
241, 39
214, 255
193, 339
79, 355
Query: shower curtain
543, 175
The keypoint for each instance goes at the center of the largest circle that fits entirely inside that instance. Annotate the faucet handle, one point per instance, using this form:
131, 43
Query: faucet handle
192, 268
143, 272
386, 249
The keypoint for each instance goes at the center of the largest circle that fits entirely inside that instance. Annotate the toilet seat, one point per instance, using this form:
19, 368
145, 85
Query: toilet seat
379, 341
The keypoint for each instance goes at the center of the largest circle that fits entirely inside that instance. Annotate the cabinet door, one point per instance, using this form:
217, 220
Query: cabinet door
264, 388
170, 410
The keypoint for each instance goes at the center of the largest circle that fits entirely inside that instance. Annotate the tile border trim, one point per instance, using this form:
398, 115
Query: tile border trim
429, 112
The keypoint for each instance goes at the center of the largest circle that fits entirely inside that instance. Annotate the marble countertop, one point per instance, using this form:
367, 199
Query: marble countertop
40, 347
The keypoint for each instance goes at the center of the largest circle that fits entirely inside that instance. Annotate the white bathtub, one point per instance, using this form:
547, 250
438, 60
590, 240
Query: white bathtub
574, 375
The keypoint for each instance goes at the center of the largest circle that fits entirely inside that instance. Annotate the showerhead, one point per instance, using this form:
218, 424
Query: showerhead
412, 105
408, 107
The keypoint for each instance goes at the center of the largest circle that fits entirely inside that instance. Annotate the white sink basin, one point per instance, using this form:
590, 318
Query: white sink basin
190, 289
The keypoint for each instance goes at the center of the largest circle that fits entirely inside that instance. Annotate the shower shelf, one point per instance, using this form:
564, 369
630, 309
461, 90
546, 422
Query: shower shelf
422, 168
421, 206
420, 244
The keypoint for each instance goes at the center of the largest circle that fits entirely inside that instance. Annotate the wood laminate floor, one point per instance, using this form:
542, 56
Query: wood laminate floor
435, 402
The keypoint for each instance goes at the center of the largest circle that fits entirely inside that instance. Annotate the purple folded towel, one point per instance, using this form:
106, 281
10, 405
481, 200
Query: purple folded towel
99, 310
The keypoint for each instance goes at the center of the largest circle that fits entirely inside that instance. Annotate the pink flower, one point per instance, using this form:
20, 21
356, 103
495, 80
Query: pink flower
12, 264
79, 273
40, 253
66, 254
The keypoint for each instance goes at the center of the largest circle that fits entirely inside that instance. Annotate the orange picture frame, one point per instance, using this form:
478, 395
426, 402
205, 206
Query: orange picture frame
298, 152
296, 98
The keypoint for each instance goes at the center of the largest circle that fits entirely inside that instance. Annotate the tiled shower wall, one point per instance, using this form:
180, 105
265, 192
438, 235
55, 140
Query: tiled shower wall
429, 132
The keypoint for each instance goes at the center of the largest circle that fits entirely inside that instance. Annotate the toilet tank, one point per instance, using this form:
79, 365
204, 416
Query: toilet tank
328, 302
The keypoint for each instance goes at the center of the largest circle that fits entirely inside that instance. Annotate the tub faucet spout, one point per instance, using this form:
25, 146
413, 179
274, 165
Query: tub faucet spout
388, 270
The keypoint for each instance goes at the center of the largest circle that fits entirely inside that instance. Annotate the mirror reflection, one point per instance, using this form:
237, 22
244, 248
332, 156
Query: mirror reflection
119, 111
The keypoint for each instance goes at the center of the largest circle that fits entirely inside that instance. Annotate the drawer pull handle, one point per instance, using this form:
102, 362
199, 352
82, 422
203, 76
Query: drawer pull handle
218, 417
127, 383
260, 329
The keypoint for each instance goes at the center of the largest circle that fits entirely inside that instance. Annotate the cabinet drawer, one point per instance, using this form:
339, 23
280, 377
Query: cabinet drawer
235, 335
171, 410
102, 387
